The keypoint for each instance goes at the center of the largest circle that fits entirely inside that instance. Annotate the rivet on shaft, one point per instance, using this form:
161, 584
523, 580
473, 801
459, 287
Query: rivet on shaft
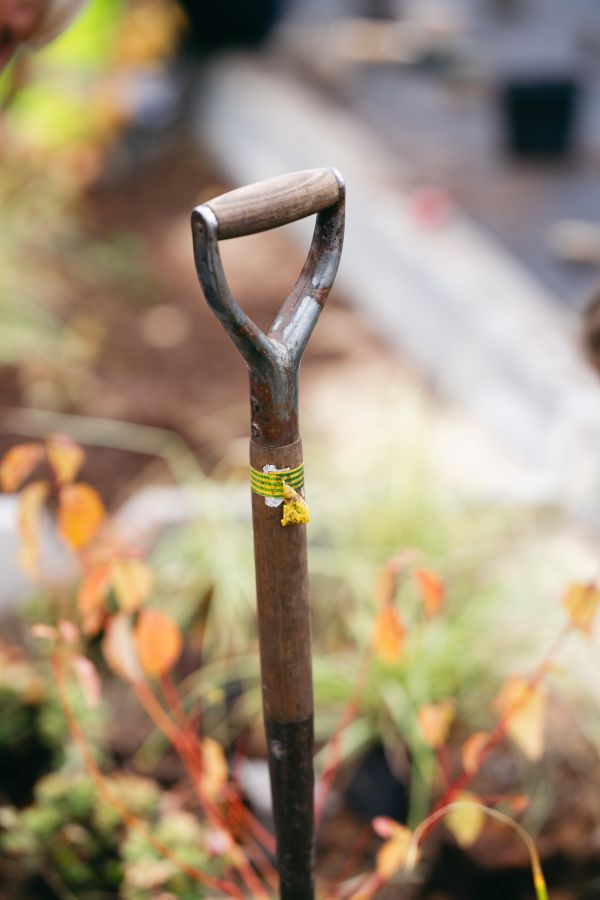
254, 405
254, 430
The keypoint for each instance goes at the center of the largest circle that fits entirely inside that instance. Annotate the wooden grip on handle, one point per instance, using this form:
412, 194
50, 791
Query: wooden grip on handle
274, 202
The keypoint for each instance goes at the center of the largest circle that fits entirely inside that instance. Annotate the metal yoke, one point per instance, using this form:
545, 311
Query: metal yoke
280, 553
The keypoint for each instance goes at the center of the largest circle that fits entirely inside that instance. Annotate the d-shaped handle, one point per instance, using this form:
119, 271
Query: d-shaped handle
274, 358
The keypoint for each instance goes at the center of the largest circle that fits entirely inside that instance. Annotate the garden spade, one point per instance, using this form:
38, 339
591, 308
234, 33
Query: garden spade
279, 512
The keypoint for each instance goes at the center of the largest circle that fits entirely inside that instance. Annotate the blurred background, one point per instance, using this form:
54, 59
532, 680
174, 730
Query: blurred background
456, 355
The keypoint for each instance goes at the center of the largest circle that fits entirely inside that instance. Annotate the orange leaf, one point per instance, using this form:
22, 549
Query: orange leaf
432, 591
18, 463
80, 513
581, 602
119, 648
525, 709
215, 771
158, 641
472, 749
390, 634
435, 720
91, 598
132, 581
31, 501
391, 857
88, 678
65, 457
466, 822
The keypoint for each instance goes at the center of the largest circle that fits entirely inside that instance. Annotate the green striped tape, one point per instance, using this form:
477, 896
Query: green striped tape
270, 484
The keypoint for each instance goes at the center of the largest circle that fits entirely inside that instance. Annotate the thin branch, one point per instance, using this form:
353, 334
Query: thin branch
424, 829
191, 756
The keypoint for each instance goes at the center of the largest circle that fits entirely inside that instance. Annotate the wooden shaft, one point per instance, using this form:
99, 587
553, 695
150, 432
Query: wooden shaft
282, 595
274, 202
286, 672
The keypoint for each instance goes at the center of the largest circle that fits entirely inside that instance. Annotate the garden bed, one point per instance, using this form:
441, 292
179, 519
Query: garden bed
162, 362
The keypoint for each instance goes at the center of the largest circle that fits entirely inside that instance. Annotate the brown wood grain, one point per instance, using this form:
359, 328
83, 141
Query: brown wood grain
274, 202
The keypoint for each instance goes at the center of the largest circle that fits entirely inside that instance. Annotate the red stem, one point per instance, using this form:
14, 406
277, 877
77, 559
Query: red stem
106, 793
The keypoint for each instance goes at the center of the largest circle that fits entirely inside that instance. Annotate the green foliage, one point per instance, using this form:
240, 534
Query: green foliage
146, 871
58, 831
361, 518
407, 683
86, 44
71, 830
32, 725
54, 108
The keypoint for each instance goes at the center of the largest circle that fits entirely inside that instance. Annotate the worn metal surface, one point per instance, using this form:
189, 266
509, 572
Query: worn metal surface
280, 553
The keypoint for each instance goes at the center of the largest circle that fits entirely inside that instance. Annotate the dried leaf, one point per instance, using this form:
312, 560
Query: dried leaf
432, 591
120, 650
31, 502
132, 581
472, 749
18, 463
44, 632
551, 667
147, 874
524, 705
88, 678
215, 771
80, 514
149, 32
435, 720
65, 457
391, 857
158, 641
68, 632
384, 827
91, 598
581, 602
390, 635
466, 822
386, 586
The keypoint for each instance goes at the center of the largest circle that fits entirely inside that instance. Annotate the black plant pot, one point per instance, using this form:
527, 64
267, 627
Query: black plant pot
539, 114
237, 23
374, 790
